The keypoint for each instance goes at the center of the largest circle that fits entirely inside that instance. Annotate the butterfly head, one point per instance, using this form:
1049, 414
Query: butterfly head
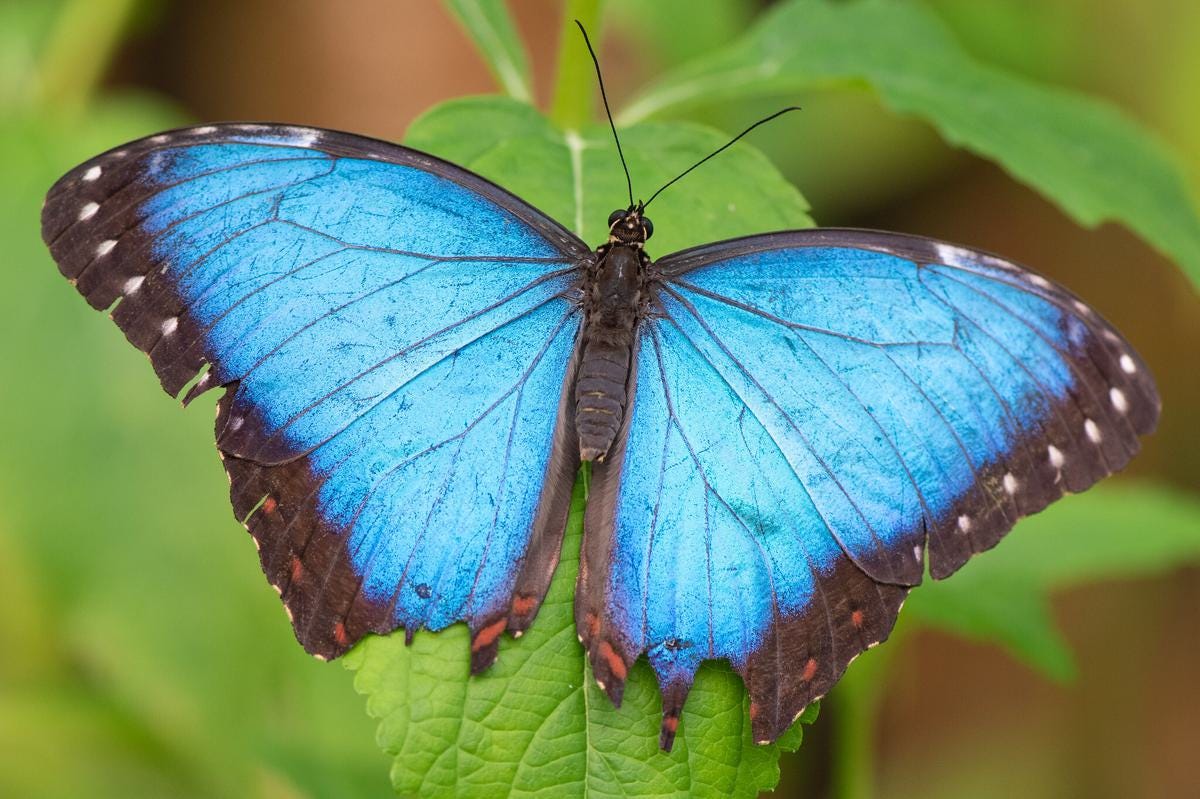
629, 226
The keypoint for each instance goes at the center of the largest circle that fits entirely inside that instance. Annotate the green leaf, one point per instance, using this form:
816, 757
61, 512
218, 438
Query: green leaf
1009, 611
490, 26
536, 720
576, 178
668, 33
1083, 154
536, 724
1112, 532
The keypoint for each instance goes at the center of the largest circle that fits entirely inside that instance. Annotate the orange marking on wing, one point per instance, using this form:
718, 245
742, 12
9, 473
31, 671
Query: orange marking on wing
671, 723
753, 710
810, 670
523, 604
615, 664
269, 505
592, 622
297, 569
856, 618
488, 635
339, 634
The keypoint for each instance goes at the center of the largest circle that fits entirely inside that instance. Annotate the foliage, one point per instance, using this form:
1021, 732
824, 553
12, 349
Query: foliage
1083, 154
133, 585
1003, 597
490, 26
151, 659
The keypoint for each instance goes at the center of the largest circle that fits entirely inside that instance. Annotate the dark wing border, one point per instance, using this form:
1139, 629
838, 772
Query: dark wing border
336, 143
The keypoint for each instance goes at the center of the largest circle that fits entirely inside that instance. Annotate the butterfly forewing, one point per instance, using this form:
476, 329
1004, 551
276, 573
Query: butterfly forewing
393, 334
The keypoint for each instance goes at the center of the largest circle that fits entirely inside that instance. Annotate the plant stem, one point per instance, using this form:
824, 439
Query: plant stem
574, 89
855, 704
80, 48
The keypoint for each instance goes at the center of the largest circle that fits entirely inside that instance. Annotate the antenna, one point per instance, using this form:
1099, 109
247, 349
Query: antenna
611, 124
727, 145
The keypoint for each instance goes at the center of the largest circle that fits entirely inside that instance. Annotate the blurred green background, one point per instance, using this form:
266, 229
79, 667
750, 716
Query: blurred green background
142, 653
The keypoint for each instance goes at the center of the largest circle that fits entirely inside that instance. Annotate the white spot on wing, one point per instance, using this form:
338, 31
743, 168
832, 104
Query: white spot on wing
953, 256
133, 284
160, 138
1127, 365
1010, 483
917, 553
1038, 280
1056, 457
964, 523
92, 174
204, 131
88, 211
236, 423
1083, 309
169, 326
105, 247
1093, 432
994, 262
304, 137
1118, 399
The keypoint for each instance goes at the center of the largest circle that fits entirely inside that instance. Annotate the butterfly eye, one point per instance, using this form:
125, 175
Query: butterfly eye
648, 226
615, 217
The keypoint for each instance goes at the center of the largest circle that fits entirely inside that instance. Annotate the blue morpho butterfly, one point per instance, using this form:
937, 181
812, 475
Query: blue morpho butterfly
783, 428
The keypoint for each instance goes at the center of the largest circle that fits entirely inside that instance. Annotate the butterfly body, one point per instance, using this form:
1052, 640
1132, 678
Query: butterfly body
785, 429
616, 298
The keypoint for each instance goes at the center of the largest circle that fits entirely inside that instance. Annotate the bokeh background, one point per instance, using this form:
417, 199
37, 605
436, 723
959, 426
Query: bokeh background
141, 652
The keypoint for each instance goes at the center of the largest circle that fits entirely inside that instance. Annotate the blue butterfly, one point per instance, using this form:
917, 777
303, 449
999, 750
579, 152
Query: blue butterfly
784, 429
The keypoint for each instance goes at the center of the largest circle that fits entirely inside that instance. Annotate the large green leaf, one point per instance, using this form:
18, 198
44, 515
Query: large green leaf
1081, 153
576, 178
536, 721
1109, 533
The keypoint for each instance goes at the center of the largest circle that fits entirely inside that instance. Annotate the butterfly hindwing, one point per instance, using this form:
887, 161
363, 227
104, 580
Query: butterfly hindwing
394, 334
817, 416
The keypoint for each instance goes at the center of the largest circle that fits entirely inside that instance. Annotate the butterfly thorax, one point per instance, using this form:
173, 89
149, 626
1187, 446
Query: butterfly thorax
613, 299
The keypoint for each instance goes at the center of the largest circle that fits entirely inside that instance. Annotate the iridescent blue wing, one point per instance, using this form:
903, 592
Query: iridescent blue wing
393, 333
817, 416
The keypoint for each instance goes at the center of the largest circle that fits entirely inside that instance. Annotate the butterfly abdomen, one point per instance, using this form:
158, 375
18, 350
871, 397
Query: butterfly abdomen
611, 303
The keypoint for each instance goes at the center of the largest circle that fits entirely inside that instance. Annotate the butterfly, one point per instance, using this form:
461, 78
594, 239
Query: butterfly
784, 430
